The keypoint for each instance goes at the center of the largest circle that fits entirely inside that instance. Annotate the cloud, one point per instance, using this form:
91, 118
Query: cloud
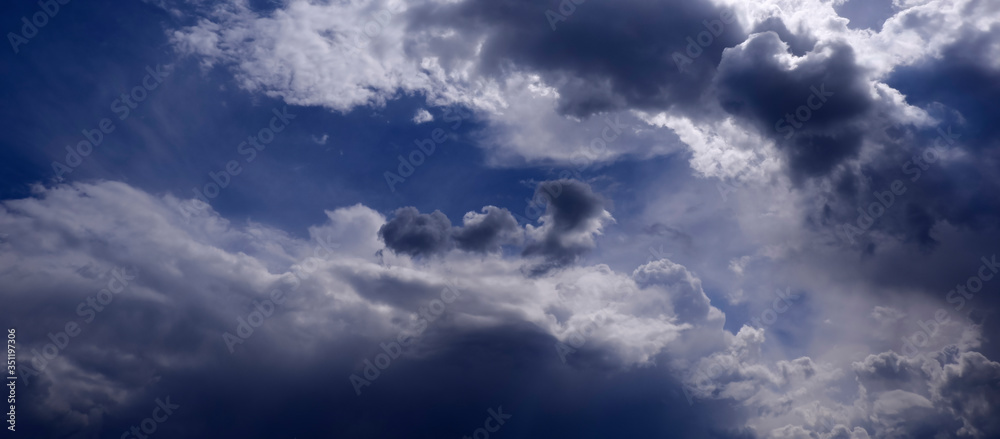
606, 57
574, 214
414, 233
200, 274
689, 301
422, 116
488, 231
809, 110
432, 48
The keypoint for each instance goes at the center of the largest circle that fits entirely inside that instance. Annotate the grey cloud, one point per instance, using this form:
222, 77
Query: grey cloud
573, 216
605, 56
970, 387
753, 84
414, 233
488, 231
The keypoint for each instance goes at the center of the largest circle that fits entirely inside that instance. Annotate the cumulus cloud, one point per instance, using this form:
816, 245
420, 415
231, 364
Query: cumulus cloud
756, 83
896, 396
488, 231
199, 275
414, 233
689, 301
573, 216
423, 116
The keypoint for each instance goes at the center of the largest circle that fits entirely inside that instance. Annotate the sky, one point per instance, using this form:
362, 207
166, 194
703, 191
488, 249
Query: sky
304, 219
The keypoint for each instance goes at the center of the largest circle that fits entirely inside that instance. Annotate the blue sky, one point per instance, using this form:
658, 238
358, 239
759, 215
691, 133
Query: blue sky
711, 218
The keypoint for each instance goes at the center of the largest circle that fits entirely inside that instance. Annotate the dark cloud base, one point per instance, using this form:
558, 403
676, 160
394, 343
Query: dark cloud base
261, 393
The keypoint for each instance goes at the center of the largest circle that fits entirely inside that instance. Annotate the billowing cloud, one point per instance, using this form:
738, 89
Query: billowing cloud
213, 294
487, 231
414, 233
574, 214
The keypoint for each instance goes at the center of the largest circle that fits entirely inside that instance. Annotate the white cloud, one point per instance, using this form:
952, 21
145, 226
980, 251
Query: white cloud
422, 116
321, 140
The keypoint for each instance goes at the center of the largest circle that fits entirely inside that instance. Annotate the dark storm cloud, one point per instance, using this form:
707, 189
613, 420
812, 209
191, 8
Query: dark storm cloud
571, 204
488, 231
753, 84
962, 91
414, 233
573, 210
574, 213
606, 55
445, 391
